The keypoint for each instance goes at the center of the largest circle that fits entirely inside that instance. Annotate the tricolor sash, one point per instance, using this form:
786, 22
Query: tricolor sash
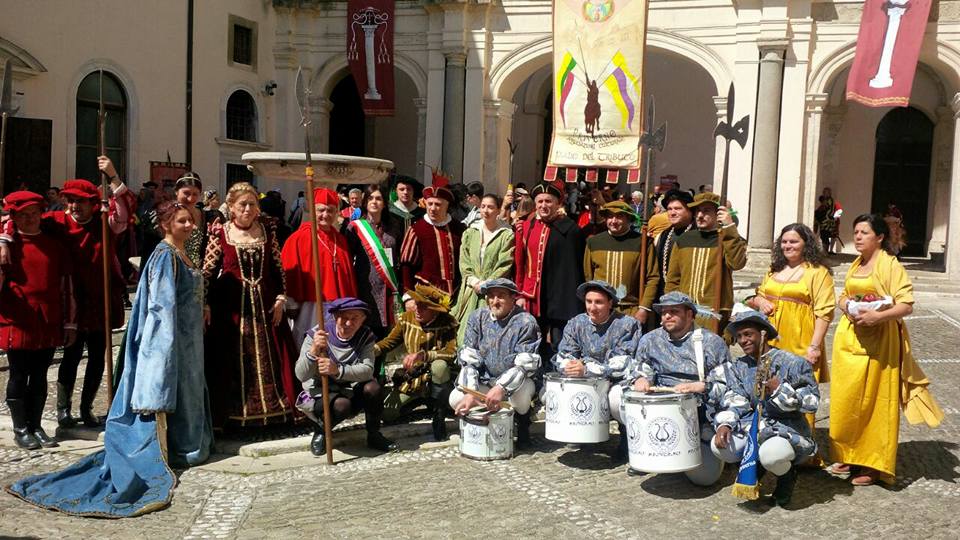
376, 253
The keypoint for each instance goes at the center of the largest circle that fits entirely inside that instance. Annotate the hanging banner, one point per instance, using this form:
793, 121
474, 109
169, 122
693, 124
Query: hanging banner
370, 53
598, 50
888, 47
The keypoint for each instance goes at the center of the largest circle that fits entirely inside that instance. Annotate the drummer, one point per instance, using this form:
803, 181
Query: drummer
791, 389
499, 356
689, 360
600, 343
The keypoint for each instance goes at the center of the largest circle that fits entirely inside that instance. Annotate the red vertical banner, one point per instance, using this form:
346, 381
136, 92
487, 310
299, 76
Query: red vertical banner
370, 53
888, 47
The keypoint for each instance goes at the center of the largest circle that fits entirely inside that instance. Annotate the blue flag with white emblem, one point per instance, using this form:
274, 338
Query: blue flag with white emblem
747, 485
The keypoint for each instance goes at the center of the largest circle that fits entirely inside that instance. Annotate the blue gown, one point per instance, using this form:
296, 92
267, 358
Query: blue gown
132, 475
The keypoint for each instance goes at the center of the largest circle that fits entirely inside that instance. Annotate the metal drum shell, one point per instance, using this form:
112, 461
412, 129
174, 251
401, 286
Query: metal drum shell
663, 431
487, 436
577, 409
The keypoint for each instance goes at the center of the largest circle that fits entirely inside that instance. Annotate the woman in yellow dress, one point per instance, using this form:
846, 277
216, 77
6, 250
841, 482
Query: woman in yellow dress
874, 372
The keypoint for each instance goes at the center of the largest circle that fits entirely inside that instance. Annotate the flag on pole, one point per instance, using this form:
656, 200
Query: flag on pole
888, 48
747, 485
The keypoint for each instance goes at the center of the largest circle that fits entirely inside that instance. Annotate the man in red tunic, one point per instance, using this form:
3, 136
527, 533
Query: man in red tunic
549, 265
80, 227
37, 315
336, 269
431, 246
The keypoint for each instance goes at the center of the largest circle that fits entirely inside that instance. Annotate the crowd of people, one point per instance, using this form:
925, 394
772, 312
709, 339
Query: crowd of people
444, 297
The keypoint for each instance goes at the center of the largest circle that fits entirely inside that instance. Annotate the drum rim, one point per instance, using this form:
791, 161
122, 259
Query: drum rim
476, 411
556, 376
633, 396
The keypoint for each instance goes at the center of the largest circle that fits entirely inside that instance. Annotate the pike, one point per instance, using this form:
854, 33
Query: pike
105, 246
303, 101
652, 140
730, 131
6, 109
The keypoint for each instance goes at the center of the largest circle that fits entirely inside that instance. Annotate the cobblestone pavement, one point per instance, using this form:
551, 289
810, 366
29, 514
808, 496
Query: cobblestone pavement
551, 491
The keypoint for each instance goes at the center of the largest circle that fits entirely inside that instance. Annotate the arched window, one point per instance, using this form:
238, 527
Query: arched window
241, 117
88, 124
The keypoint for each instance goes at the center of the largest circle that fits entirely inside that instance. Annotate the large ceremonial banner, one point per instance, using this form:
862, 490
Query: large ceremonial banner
597, 67
370, 53
888, 47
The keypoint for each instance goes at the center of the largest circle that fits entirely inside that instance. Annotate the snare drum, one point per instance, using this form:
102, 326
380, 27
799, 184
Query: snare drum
663, 431
578, 409
487, 436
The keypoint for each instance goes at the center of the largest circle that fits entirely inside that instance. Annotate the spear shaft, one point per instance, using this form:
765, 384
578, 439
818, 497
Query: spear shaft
105, 249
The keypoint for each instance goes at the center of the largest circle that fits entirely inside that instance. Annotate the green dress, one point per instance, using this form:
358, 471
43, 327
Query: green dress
478, 264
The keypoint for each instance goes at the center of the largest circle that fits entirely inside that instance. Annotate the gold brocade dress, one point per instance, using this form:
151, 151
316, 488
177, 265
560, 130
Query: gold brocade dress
865, 393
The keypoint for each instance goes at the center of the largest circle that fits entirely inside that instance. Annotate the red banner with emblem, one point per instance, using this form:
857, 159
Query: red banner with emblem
370, 53
888, 47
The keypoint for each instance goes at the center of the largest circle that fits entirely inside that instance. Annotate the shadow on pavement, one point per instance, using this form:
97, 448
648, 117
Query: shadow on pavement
929, 460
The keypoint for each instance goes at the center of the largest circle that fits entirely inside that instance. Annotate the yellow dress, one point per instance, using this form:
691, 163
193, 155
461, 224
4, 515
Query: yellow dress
797, 306
864, 398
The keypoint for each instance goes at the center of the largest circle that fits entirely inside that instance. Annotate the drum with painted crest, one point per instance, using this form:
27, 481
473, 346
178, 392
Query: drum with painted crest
578, 409
487, 436
663, 431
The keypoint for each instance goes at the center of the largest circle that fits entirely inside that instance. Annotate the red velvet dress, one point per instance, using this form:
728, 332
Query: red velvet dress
249, 361
35, 294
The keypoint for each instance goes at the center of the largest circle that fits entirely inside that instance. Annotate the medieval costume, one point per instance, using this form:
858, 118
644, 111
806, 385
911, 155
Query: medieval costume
355, 388
501, 352
548, 264
84, 242
431, 251
616, 260
484, 255
336, 269
874, 375
697, 356
375, 248
160, 416
783, 435
435, 341
605, 348
694, 265
245, 350
36, 307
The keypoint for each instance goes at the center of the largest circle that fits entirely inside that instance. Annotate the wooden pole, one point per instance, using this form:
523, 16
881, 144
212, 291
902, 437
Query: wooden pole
3, 150
646, 160
718, 280
105, 253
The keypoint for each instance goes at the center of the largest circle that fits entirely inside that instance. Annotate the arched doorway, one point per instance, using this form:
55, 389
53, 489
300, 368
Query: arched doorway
386, 137
901, 172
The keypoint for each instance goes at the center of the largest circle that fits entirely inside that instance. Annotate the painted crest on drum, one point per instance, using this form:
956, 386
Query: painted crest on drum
634, 441
474, 434
581, 407
693, 424
498, 432
553, 406
663, 434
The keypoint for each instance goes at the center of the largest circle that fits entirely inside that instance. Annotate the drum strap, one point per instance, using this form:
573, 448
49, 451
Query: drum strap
698, 350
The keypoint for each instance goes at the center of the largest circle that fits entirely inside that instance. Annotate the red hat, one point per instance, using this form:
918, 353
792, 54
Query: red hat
326, 197
440, 188
18, 200
83, 189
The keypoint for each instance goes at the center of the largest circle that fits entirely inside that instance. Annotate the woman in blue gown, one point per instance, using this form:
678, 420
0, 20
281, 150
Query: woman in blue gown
160, 416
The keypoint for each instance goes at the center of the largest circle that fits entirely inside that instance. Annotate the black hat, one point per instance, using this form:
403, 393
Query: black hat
676, 195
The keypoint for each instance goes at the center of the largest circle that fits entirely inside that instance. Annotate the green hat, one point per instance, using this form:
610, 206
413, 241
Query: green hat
705, 198
617, 207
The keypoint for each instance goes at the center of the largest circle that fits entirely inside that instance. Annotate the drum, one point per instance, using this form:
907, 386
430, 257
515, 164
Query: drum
487, 436
663, 431
578, 409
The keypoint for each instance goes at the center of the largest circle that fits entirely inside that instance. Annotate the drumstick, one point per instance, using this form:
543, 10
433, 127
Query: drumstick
482, 397
663, 389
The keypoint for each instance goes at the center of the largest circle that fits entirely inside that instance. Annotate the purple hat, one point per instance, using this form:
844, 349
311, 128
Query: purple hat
346, 304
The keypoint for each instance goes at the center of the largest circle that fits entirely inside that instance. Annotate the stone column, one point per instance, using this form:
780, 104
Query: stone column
421, 105
763, 183
939, 204
498, 120
811, 161
953, 229
320, 108
453, 93
721, 103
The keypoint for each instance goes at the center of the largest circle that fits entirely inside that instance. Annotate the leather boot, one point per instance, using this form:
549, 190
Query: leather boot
318, 444
440, 394
64, 393
784, 490
623, 447
33, 421
523, 429
21, 433
375, 439
87, 395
